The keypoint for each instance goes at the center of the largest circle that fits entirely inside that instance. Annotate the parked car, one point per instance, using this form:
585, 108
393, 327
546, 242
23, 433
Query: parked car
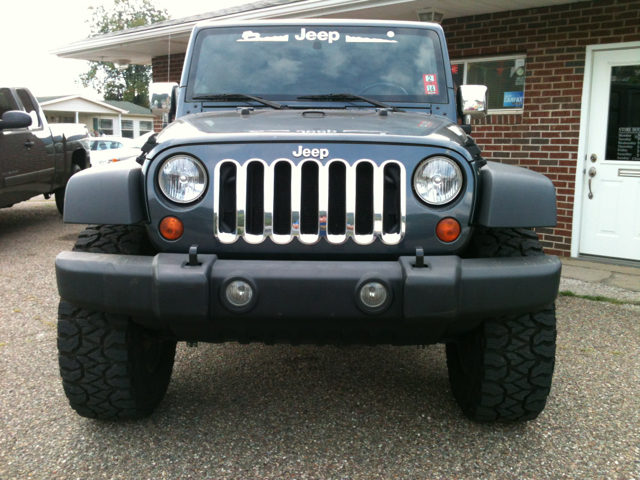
36, 158
317, 189
107, 149
134, 149
117, 149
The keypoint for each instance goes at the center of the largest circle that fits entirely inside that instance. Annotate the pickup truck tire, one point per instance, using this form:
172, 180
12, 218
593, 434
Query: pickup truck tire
502, 370
59, 193
112, 368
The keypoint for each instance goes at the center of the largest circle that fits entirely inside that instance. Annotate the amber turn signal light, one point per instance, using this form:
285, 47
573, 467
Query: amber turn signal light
171, 228
448, 230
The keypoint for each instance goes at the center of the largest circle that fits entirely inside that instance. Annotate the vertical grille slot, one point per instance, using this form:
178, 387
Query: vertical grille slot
282, 198
227, 207
337, 212
309, 198
391, 208
254, 216
364, 199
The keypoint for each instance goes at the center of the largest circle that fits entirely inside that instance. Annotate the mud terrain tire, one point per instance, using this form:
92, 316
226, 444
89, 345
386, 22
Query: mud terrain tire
502, 370
111, 367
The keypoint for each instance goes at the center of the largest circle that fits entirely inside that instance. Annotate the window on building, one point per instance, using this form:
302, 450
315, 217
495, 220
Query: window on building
145, 127
503, 76
106, 126
127, 128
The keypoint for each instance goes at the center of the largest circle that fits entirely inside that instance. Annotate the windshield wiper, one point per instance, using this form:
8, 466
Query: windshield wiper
239, 96
350, 96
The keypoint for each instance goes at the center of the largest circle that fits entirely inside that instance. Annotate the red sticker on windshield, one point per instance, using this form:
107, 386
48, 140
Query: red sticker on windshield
430, 84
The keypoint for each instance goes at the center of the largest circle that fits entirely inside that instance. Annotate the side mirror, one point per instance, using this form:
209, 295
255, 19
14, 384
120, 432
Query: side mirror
472, 102
162, 98
15, 119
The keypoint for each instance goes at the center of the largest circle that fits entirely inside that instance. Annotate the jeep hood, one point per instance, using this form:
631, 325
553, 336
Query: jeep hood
310, 125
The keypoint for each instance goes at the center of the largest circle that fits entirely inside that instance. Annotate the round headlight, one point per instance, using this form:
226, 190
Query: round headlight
182, 179
438, 180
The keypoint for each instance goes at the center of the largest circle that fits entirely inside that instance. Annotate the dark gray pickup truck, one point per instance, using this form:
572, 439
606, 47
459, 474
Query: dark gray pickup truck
36, 158
318, 184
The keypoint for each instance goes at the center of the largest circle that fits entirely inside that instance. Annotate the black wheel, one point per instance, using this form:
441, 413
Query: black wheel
502, 370
59, 193
111, 367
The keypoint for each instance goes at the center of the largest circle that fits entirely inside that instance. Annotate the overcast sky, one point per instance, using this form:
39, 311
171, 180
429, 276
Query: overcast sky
30, 29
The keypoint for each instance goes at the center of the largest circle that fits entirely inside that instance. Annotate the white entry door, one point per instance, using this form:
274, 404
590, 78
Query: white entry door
611, 190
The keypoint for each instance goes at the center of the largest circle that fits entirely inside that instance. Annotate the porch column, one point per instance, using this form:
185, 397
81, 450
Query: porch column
120, 124
77, 118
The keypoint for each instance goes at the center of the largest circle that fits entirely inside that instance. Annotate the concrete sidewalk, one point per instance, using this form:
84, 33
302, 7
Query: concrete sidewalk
586, 277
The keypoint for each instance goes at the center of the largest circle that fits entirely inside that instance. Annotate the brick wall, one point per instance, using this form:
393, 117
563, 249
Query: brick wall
166, 69
545, 137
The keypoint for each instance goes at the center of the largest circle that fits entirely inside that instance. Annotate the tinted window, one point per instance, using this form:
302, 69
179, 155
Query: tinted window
388, 64
7, 101
29, 107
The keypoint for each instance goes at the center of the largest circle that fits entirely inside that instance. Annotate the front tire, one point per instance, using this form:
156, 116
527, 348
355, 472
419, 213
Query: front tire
59, 193
111, 367
502, 370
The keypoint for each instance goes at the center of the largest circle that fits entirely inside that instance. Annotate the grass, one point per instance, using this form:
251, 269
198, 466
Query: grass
598, 298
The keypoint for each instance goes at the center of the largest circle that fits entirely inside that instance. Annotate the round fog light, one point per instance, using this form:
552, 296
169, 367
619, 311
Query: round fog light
239, 293
373, 294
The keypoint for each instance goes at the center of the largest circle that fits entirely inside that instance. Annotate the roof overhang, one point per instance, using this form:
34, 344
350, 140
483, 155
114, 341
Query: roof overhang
140, 45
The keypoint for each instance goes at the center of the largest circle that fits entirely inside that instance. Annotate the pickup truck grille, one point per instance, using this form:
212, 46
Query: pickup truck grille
310, 201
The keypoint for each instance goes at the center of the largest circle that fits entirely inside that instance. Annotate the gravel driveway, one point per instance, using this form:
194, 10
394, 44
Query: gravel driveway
247, 412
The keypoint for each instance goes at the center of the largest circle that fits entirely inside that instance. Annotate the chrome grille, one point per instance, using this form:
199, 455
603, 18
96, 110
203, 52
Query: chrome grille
363, 201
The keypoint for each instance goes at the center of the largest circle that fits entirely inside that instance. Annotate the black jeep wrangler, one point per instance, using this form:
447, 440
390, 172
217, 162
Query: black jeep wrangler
315, 186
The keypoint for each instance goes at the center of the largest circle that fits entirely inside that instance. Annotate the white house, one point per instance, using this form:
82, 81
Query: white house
108, 117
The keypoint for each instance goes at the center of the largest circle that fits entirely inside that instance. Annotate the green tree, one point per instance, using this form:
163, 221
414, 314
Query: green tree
130, 84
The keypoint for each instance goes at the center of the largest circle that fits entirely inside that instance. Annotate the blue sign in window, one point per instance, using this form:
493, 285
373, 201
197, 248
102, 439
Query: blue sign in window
513, 99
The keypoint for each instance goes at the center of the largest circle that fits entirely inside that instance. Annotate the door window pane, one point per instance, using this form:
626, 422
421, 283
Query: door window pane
623, 131
29, 107
7, 103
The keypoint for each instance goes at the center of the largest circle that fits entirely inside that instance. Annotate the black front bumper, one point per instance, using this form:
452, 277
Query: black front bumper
308, 301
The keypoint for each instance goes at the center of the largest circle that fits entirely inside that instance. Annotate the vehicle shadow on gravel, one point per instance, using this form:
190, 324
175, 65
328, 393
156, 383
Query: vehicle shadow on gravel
18, 218
239, 395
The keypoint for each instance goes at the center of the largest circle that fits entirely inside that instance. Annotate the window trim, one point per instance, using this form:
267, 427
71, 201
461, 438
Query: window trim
466, 61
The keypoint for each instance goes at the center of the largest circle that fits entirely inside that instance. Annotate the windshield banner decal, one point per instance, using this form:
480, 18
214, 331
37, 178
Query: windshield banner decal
352, 39
250, 36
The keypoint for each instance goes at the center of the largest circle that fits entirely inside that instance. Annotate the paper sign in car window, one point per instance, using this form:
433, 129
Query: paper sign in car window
250, 36
430, 84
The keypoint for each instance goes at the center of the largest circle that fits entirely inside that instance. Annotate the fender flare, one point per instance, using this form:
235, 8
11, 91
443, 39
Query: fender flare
112, 195
515, 197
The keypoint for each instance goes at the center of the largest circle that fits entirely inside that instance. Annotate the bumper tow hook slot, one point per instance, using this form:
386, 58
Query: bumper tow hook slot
419, 257
193, 256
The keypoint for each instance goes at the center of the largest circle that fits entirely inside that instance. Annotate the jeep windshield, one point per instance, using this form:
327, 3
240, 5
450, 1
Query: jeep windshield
389, 64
